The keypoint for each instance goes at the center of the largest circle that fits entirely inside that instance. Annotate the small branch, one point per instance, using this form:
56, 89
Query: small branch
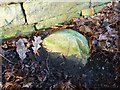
46, 62
6, 58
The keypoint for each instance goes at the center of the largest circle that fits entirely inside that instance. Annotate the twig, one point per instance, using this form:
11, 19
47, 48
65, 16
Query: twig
6, 58
46, 62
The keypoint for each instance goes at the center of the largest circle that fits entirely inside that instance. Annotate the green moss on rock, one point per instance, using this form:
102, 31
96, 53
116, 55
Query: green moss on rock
10, 32
71, 44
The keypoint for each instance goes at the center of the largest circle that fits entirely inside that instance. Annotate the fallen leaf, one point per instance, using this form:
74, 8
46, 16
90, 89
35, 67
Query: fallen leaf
36, 44
21, 48
102, 37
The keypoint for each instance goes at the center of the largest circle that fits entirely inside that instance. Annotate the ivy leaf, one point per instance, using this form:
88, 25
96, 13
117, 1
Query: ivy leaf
21, 48
36, 44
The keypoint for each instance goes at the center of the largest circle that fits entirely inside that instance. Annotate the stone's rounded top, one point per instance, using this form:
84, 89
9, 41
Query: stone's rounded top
71, 44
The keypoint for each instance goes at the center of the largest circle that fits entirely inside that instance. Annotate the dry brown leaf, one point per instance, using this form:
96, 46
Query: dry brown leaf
90, 43
73, 20
59, 86
28, 44
64, 26
82, 29
19, 77
11, 86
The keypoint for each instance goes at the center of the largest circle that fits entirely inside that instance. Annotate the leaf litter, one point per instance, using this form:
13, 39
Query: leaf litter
102, 32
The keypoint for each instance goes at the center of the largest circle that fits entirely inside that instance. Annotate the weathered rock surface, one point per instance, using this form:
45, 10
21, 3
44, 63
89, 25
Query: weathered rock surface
14, 13
11, 15
12, 31
71, 44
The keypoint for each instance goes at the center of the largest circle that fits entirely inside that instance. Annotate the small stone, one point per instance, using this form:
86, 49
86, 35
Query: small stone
73, 45
103, 68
